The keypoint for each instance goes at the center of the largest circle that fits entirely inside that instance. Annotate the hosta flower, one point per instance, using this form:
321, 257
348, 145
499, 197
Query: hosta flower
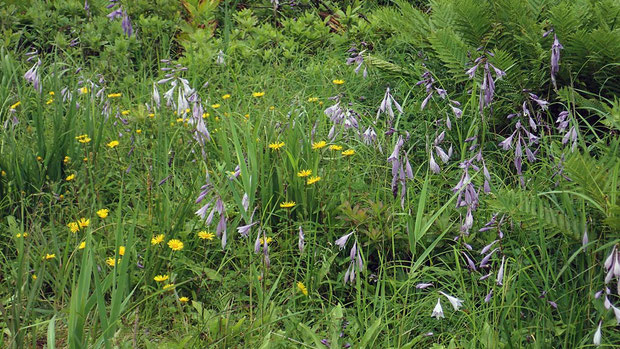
555, 58
423, 285
596, 340
342, 241
456, 303
438, 310
301, 240
126, 25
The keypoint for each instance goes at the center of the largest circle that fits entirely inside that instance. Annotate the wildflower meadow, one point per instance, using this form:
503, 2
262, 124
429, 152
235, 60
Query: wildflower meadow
309, 174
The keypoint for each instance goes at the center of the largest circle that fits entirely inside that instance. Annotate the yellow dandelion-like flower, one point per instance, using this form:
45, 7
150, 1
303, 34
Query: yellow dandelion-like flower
103, 213
205, 115
138, 131
276, 146
175, 245
205, 236
66, 160
247, 116
335, 147
156, 240
319, 145
121, 250
187, 110
338, 82
304, 173
49, 256
74, 227
313, 180
13, 106
21, 235
313, 99
112, 144
34, 276
3, 173
85, 159
70, 177
83, 222
180, 119
51, 93
348, 152
226, 96
151, 115
302, 288
261, 241
168, 286
272, 108
125, 112
114, 95
49, 101
111, 261
183, 299
84, 90
82, 245
215, 106
39, 158
84, 140
258, 94
161, 278
287, 204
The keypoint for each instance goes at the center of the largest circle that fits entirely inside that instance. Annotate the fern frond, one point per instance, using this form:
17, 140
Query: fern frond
386, 66
452, 51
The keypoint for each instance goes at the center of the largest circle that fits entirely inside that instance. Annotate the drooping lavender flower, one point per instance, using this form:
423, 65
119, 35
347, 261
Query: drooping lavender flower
126, 24
301, 241
487, 89
500, 273
257, 244
156, 99
438, 310
342, 241
423, 285
357, 58
612, 265
32, 76
596, 340
219, 60
488, 296
470, 262
456, 303
555, 58
245, 229
386, 106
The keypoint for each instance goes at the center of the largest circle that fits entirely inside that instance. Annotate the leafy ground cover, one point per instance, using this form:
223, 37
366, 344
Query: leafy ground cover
323, 174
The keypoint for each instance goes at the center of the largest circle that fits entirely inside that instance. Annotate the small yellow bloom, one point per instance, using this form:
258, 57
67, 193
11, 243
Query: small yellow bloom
138, 131
39, 158
156, 240
161, 278
226, 96
304, 173
83, 222
269, 240
83, 138
175, 245
114, 95
74, 227
338, 82
125, 112
49, 101
82, 245
111, 261
348, 152
151, 115
85, 159
319, 145
121, 250
313, 180
49, 256
21, 235
247, 116
276, 146
205, 115
12, 107
3, 173
70, 177
51, 93
168, 286
258, 94
205, 236
34, 276
60, 197
84, 90
183, 299
66, 160
215, 106
272, 108
103, 213
302, 288
112, 144
287, 204
187, 110
313, 99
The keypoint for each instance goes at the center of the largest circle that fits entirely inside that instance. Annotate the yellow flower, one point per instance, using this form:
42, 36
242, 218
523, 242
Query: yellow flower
160, 278
205, 115
287, 204
304, 173
3, 173
335, 147
258, 94
168, 286
39, 158
183, 299
175, 245
313, 180
272, 108
70, 177
215, 106
73, 226
49, 256
83, 138
84, 90
338, 82
51, 93
103, 213
319, 145
151, 115
156, 240
348, 152
85, 159
20, 235
138, 131
82, 245
113, 144
15, 105
114, 95
261, 241
83, 222
34, 276
302, 288
49, 101
187, 110
180, 119
111, 261
226, 96
276, 146
66, 160
313, 99
125, 112
121, 250
205, 236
